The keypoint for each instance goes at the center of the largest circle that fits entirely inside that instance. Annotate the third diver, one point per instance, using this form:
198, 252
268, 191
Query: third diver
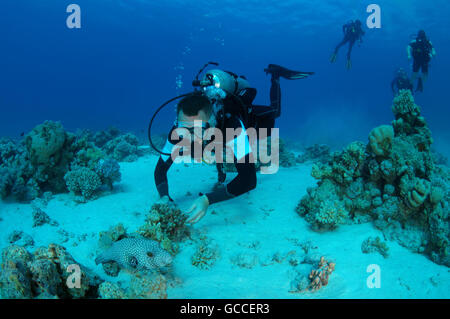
401, 82
353, 32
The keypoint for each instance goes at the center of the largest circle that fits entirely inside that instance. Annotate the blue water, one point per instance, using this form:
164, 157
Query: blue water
123, 62
130, 56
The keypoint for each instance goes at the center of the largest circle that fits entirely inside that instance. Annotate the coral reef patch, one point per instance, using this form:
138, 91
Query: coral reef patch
49, 159
318, 276
315, 153
44, 274
392, 181
206, 253
375, 244
165, 223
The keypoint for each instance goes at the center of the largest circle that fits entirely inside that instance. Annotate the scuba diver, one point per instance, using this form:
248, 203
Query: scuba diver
401, 82
224, 101
421, 50
352, 32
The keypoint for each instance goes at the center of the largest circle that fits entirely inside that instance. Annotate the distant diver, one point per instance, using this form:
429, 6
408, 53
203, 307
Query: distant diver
223, 100
421, 50
401, 82
353, 32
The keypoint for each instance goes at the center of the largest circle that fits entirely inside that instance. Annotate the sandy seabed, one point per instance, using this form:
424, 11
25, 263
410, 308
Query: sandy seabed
262, 223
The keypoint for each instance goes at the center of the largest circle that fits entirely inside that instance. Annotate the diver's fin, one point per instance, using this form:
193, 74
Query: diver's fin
349, 64
333, 58
419, 85
278, 71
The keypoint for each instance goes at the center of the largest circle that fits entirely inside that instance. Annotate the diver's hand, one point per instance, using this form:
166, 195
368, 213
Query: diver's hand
198, 209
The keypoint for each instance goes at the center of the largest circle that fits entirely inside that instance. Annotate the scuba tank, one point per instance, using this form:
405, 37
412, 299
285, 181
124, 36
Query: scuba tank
421, 47
233, 87
227, 81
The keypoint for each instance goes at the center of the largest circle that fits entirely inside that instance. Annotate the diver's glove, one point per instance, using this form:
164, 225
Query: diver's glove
198, 209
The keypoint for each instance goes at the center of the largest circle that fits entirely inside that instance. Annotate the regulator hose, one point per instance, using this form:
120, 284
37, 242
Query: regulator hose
149, 132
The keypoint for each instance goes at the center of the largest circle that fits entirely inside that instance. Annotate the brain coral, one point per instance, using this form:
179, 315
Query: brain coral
417, 196
381, 139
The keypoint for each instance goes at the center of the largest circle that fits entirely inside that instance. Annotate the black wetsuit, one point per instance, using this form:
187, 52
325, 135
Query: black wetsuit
401, 83
258, 117
421, 49
352, 33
